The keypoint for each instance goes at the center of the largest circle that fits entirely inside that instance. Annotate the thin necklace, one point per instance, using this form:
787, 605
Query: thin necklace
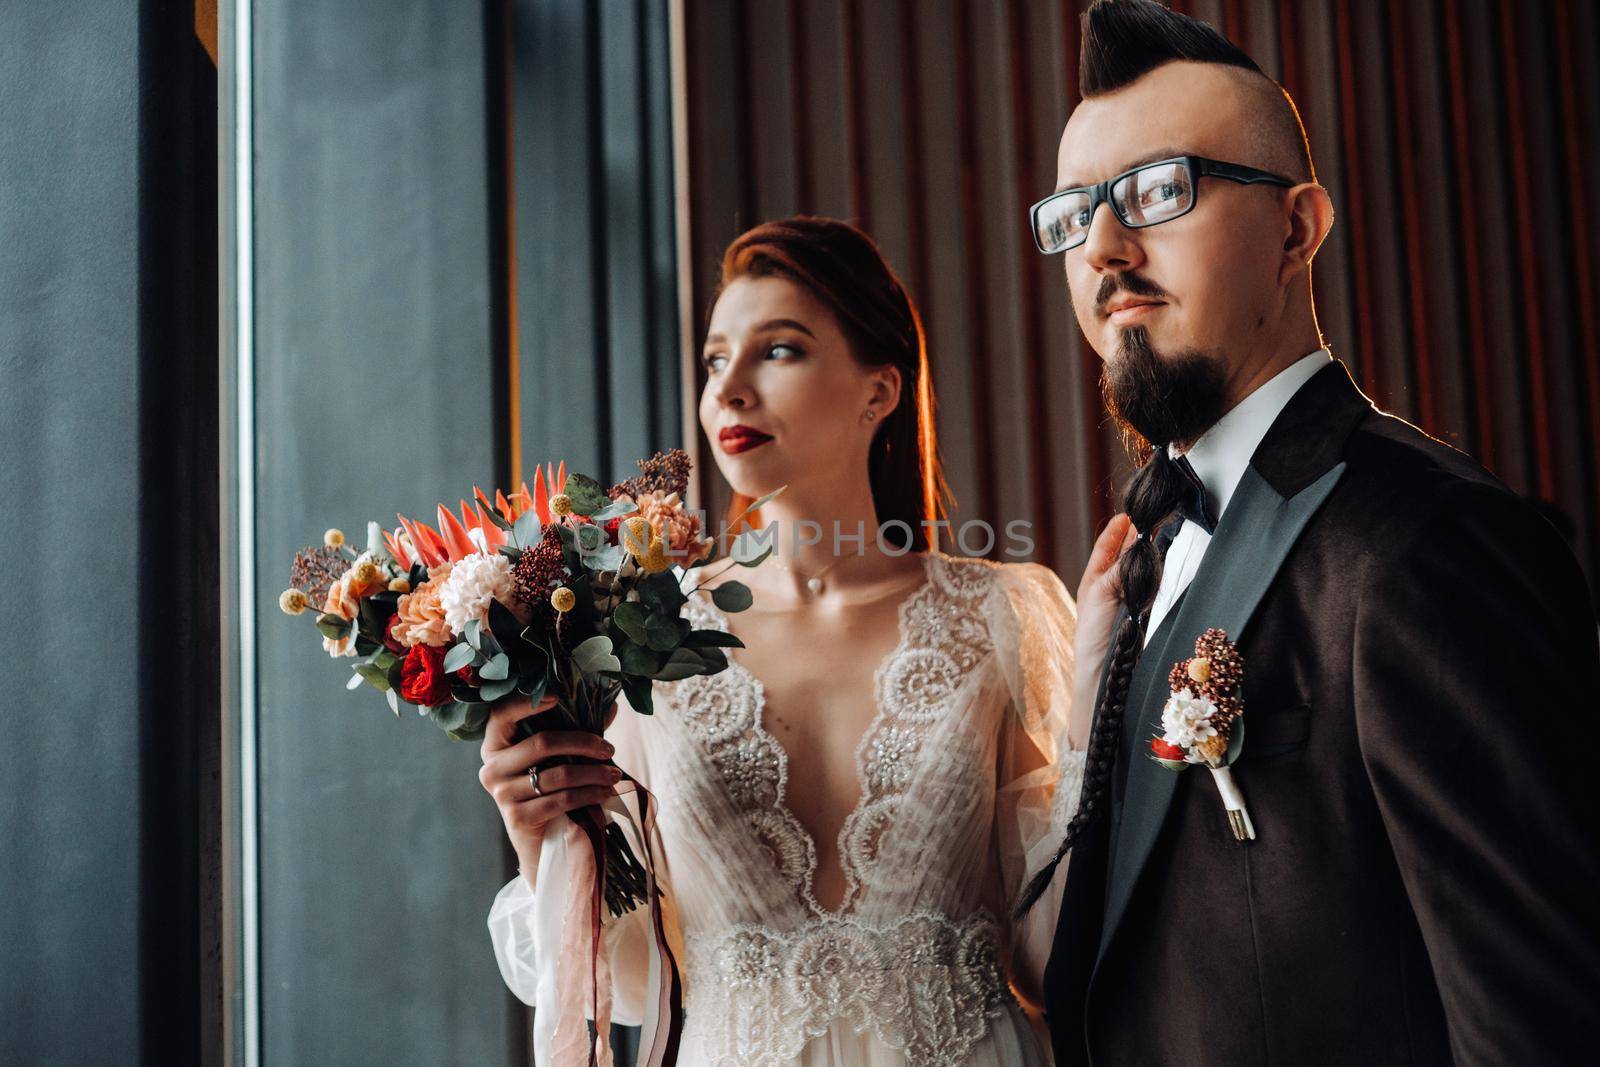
814, 581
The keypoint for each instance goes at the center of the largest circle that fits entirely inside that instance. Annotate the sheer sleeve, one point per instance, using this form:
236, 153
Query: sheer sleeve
525, 921
1033, 622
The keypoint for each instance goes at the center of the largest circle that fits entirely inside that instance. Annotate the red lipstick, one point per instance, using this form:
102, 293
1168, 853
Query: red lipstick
740, 438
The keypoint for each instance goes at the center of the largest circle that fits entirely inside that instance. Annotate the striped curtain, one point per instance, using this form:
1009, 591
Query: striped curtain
1456, 138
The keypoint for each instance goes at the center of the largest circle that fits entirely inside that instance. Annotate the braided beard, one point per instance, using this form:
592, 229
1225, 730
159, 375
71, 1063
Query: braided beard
1158, 400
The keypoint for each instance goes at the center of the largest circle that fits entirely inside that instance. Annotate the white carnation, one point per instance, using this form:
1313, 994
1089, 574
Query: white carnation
473, 582
1186, 719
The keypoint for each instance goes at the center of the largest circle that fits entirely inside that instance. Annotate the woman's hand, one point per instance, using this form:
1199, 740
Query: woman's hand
1098, 601
562, 788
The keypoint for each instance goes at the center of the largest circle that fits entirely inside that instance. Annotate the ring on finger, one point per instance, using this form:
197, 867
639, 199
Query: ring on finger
533, 779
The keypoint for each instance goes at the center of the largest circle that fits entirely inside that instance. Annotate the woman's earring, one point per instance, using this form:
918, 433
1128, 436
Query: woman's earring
871, 414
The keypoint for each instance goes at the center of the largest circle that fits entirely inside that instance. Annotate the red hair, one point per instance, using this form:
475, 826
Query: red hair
843, 268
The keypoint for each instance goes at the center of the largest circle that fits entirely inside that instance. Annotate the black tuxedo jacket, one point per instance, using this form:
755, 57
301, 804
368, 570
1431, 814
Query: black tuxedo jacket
1421, 703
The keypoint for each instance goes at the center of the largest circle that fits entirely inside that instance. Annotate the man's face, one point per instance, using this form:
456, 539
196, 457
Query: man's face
1210, 278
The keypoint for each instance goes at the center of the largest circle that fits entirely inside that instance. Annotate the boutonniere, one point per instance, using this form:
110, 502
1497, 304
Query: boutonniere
1203, 720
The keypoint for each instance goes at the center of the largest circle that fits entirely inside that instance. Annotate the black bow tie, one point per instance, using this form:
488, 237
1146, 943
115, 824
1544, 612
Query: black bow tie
1195, 504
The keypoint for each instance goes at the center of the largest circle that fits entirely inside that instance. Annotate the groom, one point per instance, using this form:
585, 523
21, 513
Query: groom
1420, 673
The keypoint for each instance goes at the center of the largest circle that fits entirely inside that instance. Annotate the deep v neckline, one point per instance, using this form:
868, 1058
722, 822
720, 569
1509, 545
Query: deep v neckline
875, 725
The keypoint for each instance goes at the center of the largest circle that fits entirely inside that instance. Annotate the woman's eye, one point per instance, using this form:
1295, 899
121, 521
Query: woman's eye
787, 350
710, 362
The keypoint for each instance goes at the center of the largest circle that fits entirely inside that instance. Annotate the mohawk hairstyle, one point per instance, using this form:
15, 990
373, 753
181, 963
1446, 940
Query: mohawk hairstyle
1123, 40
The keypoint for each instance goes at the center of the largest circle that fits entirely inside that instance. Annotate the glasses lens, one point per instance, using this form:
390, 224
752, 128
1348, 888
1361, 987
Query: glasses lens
1062, 221
1155, 194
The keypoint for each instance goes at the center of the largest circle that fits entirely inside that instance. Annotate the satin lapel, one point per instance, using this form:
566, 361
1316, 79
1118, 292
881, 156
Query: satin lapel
1255, 534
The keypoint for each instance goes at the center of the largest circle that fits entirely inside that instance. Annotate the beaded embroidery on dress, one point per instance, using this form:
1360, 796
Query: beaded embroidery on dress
916, 965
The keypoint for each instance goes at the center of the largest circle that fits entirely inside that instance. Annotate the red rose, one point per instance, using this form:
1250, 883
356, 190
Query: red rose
469, 674
1163, 750
422, 677
389, 640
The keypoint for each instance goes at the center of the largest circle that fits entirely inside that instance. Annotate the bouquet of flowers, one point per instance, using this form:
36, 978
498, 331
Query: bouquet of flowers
570, 589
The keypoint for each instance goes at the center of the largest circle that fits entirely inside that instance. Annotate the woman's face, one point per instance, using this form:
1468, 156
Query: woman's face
785, 398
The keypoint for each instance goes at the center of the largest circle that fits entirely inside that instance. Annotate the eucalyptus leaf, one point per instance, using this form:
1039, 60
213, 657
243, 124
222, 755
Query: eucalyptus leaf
497, 669
532, 685
587, 495
732, 596
684, 663
477, 717
471, 633
606, 558
664, 634
756, 505
715, 659
498, 519
638, 660
451, 716
460, 655
660, 592
631, 617
594, 655
712, 639
494, 690
1235, 742
373, 618
615, 510
396, 673
511, 552
753, 546
591, 538
504, 625
527, 529
333, 626
377, 679
637, 690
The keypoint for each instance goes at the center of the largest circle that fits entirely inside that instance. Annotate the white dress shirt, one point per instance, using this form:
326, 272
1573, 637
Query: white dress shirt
1219, 457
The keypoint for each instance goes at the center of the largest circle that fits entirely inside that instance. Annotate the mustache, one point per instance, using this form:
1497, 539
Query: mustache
1127, 281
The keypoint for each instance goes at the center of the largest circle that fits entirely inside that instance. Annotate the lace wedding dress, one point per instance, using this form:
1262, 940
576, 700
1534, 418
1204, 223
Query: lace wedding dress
920, 964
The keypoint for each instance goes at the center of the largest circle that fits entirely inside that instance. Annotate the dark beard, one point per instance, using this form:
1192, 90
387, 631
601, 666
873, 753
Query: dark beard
1159, 401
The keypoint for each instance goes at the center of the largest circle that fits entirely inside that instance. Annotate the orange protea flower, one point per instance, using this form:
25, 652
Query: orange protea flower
420, 613
456, 539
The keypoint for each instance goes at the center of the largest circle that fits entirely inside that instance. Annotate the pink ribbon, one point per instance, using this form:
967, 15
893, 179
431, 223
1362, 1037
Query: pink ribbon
580, 996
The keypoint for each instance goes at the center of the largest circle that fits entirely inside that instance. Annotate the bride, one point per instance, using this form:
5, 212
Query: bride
848, 812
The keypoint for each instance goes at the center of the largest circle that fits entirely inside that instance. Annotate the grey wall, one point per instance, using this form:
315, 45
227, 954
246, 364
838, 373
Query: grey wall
107, 477
411, 160
596, 295
379, 851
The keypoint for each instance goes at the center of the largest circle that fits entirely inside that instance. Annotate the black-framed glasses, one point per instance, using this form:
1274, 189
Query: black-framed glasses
1144, 196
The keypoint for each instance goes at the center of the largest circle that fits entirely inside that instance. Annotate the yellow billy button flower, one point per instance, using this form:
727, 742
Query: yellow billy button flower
655, 561
563, 599
334, 538
561, 504
399, 585
366, 574
293, 601
636, 536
